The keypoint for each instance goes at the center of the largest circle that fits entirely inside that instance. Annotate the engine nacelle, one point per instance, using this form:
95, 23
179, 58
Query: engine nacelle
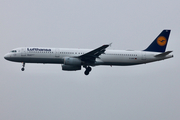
71, 67
72, 61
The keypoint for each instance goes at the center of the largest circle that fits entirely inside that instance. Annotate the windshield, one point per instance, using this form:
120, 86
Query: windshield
13, 51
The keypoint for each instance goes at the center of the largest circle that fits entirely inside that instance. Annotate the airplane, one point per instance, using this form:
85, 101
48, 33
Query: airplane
75, 59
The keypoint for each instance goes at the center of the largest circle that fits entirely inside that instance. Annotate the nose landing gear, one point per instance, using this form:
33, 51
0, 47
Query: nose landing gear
88, 69
23, 66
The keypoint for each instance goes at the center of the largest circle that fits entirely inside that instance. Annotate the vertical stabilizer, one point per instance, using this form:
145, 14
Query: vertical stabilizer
160, 43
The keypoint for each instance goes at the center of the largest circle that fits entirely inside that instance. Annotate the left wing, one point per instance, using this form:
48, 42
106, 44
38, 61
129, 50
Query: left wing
92, 55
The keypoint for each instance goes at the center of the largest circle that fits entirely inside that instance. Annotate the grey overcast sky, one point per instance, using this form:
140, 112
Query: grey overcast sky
45, 92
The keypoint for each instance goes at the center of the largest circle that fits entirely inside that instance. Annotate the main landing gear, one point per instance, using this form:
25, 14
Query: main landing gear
88, 69
23, 66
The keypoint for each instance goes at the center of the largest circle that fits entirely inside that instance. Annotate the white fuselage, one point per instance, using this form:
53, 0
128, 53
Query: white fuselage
57, 55
74, 59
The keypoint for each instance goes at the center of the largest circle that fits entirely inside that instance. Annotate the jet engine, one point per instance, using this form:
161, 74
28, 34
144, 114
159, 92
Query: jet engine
71, 67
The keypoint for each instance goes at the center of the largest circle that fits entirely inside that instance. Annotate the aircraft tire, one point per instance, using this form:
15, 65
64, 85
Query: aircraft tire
86, 72
89, 69
22, 69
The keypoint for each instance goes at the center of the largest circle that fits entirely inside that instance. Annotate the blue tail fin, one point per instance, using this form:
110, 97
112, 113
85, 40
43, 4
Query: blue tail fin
160, 43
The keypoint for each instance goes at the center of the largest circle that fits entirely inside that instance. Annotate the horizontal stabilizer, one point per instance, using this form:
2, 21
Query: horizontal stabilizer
163, 54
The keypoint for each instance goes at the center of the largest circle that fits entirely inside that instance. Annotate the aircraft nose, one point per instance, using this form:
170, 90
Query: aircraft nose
6, 56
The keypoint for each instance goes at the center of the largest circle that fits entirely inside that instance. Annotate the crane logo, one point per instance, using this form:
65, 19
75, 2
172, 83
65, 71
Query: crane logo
161, 40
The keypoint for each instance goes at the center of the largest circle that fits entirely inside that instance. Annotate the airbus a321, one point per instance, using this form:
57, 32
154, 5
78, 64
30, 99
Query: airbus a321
75, 59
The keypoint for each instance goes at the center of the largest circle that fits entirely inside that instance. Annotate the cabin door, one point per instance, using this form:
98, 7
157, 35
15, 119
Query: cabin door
57, 53
23, 52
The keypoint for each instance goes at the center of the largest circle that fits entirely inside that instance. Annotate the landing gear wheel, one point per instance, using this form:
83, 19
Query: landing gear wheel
88, 69
86, 72
23, 66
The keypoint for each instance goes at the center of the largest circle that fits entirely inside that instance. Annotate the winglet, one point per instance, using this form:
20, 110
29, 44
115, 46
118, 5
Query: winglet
110, 44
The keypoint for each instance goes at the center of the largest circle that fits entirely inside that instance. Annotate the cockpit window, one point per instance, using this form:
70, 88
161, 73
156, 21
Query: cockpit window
13, 51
